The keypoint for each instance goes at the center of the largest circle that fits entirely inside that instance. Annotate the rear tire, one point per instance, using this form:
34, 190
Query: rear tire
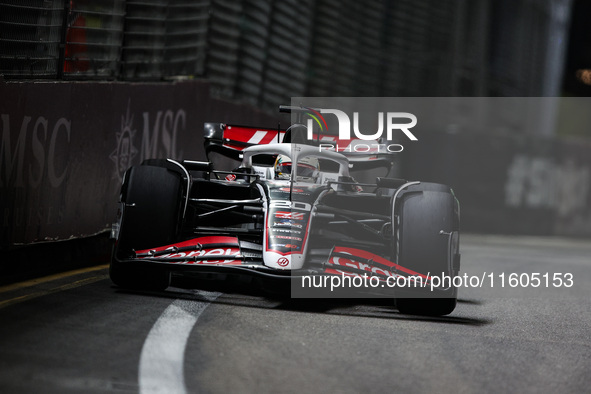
427, 242
150, 218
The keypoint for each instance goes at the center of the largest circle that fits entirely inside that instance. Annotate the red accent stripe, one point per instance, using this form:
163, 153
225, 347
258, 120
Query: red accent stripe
270, 138
378, 259
244, 134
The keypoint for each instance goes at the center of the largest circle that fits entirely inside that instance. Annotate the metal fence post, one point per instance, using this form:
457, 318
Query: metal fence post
64, 32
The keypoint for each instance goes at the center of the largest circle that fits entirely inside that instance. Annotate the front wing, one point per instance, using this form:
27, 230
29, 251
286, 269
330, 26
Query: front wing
227, 254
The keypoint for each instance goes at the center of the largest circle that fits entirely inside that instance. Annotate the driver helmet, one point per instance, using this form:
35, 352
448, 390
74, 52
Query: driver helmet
307, 168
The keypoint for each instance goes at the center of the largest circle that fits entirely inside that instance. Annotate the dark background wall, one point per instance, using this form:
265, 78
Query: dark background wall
265, 51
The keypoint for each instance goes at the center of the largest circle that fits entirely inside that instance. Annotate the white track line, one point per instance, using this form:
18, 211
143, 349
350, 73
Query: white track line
162, 359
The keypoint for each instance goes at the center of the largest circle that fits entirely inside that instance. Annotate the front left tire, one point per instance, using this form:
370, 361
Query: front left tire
150, 218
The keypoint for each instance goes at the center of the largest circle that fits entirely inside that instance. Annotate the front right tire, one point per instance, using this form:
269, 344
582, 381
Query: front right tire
427, 240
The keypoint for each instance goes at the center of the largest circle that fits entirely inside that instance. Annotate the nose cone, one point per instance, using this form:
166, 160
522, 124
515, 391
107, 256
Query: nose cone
286, 261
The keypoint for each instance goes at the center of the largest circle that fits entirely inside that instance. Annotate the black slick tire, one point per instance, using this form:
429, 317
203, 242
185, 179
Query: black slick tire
427, 241
150, 218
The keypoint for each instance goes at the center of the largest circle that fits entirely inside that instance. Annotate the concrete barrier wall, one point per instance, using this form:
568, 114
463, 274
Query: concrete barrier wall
65, 146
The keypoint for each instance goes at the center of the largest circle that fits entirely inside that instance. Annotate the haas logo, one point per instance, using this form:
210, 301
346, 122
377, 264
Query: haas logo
283, 262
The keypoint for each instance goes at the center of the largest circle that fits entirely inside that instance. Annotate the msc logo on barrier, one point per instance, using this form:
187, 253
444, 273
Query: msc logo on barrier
34, 152
158, 138
125, 151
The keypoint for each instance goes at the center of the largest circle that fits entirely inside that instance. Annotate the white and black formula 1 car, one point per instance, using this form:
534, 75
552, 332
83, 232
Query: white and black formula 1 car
288, 210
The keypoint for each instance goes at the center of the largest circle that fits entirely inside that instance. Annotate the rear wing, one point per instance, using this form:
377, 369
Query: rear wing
231, 140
